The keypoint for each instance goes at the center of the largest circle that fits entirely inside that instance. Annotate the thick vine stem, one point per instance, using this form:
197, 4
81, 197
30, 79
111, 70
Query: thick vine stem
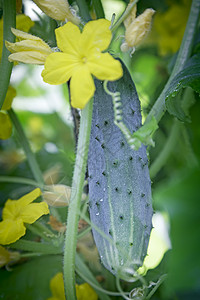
26, 146
75, 201
9, 20
159, 107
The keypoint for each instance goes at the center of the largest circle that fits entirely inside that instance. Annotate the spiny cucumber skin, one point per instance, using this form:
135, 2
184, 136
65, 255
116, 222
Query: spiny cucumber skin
119, 183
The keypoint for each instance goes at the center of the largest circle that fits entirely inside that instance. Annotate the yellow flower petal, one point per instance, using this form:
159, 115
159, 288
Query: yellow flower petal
85, 291
5, 126
21, 35
58, 10
11, 210
11, 231
11, 93
96, 34
30, 213
82, 87
58, 68
57, 287
30, 197
68, 37
105, 67
28, 57
28, 45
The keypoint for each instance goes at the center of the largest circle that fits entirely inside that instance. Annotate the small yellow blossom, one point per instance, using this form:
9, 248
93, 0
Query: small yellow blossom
5, 123
30, 49
170, 26
58, 195
137, 30
17, 212
58, 10
5, 126
8, 257
11, 94
82, 57
83, 291
24, 23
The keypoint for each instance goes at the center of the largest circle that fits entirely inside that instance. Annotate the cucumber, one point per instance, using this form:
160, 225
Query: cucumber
119, 184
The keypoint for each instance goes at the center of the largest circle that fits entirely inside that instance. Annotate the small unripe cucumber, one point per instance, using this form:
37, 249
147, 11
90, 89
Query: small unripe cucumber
119, 183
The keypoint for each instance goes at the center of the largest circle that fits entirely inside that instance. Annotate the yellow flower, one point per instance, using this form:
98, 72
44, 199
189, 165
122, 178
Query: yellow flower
11, 94
137, 29
30, 49
5, 123
170, 26
83, 291
58, 10
17, 212
5, 126
7, 257
81, 57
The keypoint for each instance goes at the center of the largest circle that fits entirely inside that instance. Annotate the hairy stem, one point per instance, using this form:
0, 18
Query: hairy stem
9, 20
31, 246
75, 201
21, 180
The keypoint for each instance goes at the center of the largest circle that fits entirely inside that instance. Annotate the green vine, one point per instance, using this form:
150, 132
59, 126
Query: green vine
75, 201
9, 20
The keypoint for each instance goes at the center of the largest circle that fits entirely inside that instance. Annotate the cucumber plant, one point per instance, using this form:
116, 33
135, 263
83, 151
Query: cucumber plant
119, 183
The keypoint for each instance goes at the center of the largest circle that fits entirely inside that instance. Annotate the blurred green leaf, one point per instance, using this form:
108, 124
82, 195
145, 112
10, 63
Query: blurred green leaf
180, 197
31, 279
188, 77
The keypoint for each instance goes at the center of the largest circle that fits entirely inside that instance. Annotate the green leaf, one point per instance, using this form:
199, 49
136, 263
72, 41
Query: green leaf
30, 280
180, 197
188, 77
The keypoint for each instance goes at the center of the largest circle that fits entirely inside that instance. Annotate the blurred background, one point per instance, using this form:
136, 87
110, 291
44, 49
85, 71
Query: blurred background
45, 114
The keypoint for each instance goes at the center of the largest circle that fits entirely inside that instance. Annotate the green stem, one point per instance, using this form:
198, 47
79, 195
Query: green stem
84, 232
87, 275
31, 246
159, 108
9, 20
84, 11
167, 149
20, 180
75, 201
98, 9
38, 232
27, 255
26, 146
123, 16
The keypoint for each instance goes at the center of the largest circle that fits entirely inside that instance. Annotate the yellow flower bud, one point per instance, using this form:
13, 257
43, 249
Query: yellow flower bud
8, 257
58, 10
137, 30
58, 195
131, 17
11, 94
30, 49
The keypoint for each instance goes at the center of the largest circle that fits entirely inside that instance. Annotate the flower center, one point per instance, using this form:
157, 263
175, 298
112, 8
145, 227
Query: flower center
84, 59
